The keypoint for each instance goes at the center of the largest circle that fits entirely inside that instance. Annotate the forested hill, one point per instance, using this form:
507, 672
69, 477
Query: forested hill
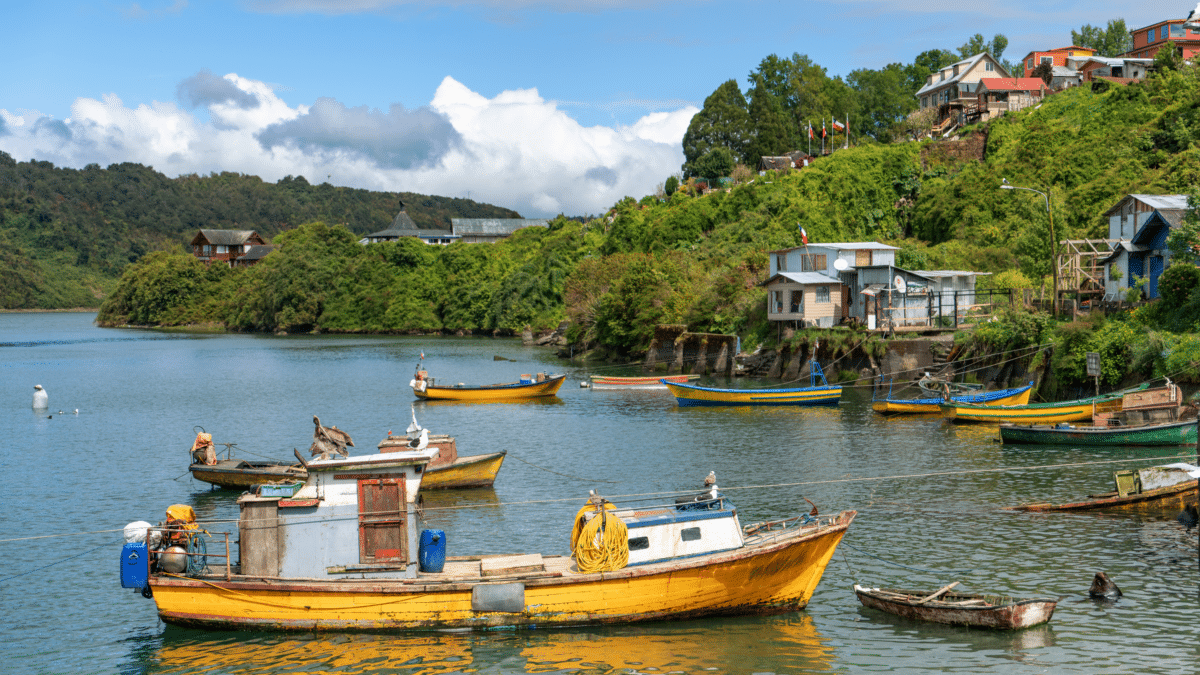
67, 234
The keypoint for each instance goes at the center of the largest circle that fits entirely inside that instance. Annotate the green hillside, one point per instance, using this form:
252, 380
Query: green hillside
66, 235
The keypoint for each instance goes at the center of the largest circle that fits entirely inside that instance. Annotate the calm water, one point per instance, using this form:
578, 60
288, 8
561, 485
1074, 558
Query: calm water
140, 395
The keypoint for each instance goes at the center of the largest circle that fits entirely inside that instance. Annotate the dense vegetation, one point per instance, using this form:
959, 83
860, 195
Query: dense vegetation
66, 235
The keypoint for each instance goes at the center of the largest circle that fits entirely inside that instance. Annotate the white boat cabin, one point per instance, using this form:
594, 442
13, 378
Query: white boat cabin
354, 517
700, 525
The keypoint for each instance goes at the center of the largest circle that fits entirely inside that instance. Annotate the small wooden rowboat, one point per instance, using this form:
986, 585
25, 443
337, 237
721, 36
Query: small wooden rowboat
651, 382
512, 391
893, 406
959, 609
1162, 488
1166, 433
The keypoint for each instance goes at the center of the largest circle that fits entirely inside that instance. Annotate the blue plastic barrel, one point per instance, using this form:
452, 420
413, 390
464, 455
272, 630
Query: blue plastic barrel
431, 554
135, 566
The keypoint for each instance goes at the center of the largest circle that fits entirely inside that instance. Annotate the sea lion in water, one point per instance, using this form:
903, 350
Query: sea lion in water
1103, 587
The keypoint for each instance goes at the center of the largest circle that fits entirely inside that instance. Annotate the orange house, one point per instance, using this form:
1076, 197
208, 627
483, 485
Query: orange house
1055, 57
1149, 39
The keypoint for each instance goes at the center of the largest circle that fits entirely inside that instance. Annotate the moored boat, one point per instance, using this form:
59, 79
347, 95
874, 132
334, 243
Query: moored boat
425, 387
893, 406
1164, 433
959, 609
1171, 487
1036, 413
346, 552
649, 382
814, 394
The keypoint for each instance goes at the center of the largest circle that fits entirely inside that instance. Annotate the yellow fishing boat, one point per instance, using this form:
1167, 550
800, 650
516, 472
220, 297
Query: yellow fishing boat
1035, 413
346, 553
528, 387
687, 395
896, 406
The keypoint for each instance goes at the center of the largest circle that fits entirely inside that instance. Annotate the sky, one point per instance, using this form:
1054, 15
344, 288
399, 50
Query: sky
541, 106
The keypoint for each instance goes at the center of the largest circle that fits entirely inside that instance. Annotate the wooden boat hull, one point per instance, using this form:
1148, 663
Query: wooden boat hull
895, 406
464, 472
994, 613
492, 393
1171, 433
774, 572
1038, 413
234, 473
652, 382
692, 395
1173, 498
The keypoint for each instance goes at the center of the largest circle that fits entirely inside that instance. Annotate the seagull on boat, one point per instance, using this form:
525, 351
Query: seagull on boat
414, 429
420, 442
40, 398
711, 479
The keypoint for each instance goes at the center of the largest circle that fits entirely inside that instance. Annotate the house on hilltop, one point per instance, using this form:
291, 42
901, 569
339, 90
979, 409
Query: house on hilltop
999, 95
404, 226
227, 246
1148, 40
953, 90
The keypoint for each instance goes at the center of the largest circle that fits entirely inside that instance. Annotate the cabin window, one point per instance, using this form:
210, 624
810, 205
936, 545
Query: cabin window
797, 301
989, 66
1176, 30
382, 520
822, 294
207, 249
862, 258
639, 543
689, 534
812, 263
222, 249
782, 259
777, 302
1150, 35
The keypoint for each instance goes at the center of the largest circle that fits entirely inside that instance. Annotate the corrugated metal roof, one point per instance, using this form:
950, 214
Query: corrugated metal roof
859, 246
1153, 201
804, 278
500, 227
931, 274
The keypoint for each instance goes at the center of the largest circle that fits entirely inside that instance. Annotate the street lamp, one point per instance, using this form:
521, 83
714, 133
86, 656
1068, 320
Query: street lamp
1004, 185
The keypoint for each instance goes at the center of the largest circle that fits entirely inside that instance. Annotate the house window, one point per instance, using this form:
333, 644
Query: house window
1176, 30
989, 66
207, 249
1150, 35
862, 258
1048, 59
782, 260
924, 101
812, 263
222, 249
1113, 273
777, 302
382, 520
798, 301
1029, 64
943, 76
822, 294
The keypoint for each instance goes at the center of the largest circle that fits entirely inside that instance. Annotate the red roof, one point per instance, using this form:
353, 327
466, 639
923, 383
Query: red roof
1012, 83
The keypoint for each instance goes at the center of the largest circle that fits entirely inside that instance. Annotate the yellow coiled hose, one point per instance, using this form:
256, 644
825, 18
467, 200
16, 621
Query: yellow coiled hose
601, 544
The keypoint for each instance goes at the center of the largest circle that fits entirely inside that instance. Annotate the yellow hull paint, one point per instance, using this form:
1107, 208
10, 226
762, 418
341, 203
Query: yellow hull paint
477, 471
764, 577
1047, 415
690, 395
494, 392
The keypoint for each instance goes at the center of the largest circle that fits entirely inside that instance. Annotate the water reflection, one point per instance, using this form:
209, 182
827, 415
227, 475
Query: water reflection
787, 643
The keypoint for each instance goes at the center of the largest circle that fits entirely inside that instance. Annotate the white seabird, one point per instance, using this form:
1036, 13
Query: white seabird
40, 398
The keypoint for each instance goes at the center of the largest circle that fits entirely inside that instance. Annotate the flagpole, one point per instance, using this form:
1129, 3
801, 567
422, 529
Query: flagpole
847, 130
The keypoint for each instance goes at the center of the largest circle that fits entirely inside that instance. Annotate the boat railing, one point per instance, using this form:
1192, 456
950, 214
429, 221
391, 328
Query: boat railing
771, 530
194, 545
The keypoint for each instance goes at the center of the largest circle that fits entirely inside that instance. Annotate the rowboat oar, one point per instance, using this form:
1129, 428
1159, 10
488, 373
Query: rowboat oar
940, 591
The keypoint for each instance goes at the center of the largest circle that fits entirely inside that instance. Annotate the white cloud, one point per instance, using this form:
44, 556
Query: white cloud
516, 150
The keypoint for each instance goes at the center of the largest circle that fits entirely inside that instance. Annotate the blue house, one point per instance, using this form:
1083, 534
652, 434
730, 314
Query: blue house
1138, 227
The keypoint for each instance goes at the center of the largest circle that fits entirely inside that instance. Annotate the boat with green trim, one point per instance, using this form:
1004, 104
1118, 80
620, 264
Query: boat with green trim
1165, 433
1170, 488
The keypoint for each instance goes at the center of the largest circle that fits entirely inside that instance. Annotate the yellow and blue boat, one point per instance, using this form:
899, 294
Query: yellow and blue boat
1037, 413
895, 406
814, 394
346, 552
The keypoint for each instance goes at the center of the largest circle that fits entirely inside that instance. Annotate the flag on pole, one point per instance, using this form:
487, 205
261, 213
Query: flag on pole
810, 131
803, 235
822, 128
838, 126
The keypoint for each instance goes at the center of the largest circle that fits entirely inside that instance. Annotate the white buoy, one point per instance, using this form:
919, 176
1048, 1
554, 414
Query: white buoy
77, 411
40, 398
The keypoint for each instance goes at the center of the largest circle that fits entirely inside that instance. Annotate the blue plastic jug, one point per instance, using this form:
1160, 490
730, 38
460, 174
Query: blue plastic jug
431, 554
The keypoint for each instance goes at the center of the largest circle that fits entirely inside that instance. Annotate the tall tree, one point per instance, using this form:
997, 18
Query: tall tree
976, 43
723, 122
773, 131
884, 100
804, 89
1110, 41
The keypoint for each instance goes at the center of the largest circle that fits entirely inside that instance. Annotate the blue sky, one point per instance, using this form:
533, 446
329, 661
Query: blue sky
541, 106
